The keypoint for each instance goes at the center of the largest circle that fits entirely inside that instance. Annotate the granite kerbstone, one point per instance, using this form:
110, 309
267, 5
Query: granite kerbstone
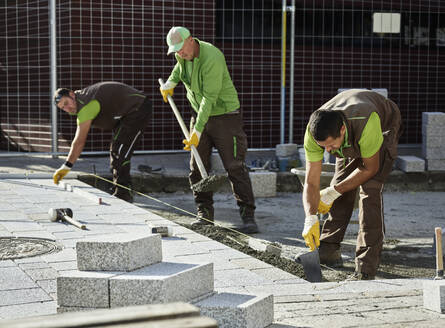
435, 141
410, 164
433, 153
435, 164
434, 295
286, 150
84, 289
433, 118
432, 130
264, 183
119, 252
239, 310
161, 283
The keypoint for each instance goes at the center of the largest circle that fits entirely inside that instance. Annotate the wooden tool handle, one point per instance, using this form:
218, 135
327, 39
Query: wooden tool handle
439, 254
74, 222
186, 133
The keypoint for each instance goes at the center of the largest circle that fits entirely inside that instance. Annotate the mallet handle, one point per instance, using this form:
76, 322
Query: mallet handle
439, 254
74, 222
186, 133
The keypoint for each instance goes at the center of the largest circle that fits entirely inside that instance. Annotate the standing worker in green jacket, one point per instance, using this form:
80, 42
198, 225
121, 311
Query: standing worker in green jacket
216, 120
110, 106
361, 128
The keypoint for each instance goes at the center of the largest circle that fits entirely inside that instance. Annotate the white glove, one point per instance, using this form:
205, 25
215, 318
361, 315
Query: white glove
311, 231
327, 197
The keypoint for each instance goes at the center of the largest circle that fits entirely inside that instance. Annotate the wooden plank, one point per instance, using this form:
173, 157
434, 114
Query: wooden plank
193, 322
103, 317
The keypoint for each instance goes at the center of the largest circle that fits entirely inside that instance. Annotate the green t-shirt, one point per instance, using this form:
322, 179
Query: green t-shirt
370, 141
88, 112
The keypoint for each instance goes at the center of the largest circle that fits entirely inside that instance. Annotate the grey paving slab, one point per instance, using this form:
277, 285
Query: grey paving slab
33, 265
49, 286
161, 283
331, 321
218, 264
23, 296
41, 273
15, 278
20, 226
239, 277
27, 310
64, 266
210, 245
177, 246
250, 263
277, 275
119, 252
7, 263
229, 254
191, 236
67, 254
34, 234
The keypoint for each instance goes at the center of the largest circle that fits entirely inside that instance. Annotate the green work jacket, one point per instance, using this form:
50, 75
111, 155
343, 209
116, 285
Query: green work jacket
210, 89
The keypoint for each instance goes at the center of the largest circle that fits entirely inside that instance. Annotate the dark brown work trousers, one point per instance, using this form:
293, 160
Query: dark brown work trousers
371, 220
226, 134
126, 133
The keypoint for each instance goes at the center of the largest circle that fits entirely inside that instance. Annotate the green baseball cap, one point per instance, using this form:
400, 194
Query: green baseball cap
176, 37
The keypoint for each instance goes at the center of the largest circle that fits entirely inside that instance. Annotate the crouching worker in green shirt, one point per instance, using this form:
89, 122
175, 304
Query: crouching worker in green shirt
361, 128
110, 106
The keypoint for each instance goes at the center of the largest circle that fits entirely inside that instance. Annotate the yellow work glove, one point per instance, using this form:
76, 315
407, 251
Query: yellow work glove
327, 197
167, 90
311, 231
194, 140
60, 173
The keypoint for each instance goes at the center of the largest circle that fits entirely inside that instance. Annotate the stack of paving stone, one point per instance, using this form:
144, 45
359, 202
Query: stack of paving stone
286, 155
433, 140
127, 269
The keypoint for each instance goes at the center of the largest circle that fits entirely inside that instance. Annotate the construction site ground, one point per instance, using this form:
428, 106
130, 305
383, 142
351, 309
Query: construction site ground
414, 205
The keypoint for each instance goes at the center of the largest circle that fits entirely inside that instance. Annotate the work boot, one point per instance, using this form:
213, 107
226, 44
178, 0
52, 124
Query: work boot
249, 226
329, 257
360, 276
123, 194
204, 216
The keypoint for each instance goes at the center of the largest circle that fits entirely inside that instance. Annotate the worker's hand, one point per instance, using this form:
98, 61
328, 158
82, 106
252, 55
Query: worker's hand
167, 90
327, 197
60, 173
311, 231
193, 141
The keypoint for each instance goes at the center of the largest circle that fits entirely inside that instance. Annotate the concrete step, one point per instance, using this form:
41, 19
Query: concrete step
158, 283
232, 310
119, 252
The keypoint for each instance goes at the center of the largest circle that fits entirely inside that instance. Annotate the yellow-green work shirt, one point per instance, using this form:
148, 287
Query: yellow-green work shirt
370, 141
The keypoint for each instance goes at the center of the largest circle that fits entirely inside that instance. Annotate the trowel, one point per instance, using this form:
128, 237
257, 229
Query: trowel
311, 265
